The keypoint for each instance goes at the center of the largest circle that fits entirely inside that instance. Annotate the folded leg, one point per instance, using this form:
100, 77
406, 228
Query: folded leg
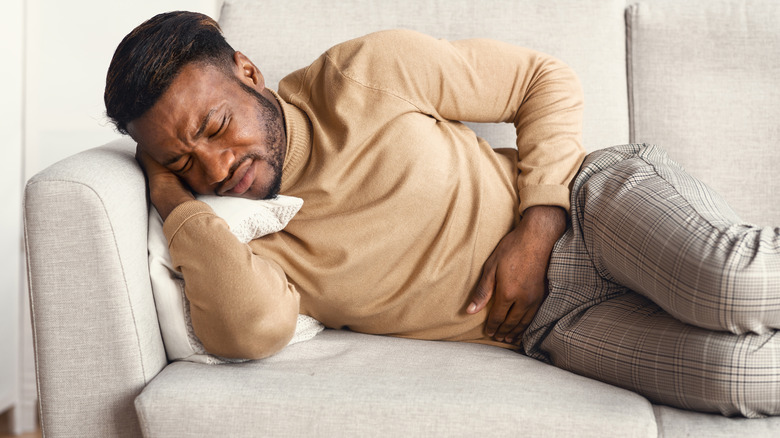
657, 286
653, 228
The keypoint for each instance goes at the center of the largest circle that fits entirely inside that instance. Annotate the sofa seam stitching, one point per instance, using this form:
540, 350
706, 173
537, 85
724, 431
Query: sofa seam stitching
629, 20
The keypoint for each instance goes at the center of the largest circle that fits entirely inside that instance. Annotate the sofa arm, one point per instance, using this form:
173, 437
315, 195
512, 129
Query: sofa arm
97, 340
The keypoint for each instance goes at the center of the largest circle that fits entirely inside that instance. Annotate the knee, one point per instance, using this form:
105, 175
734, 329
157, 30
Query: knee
744, 285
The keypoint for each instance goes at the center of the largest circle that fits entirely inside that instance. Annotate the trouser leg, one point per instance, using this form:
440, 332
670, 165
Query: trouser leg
630, 342
651, 227
642, 226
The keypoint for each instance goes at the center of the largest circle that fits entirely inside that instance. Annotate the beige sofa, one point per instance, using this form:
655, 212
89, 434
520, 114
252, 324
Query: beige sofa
697, 77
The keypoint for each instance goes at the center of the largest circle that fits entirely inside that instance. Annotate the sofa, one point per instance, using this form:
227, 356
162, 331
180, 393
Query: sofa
699, 78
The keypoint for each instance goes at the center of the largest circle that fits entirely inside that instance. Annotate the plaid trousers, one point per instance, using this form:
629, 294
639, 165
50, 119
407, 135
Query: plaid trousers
658, 287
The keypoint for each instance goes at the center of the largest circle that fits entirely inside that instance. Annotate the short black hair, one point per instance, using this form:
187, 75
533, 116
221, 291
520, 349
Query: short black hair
151, 56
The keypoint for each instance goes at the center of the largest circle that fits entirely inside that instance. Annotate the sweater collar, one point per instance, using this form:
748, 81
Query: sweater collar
298, 129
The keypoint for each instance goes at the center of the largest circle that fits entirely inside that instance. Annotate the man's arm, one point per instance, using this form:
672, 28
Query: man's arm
241, 304
490, 81
485, 81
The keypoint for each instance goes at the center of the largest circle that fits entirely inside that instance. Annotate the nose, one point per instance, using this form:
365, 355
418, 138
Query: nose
216, 163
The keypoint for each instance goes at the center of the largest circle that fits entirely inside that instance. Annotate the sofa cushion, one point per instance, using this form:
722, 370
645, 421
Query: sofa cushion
348, 384
676, 422
703, 84
281, 37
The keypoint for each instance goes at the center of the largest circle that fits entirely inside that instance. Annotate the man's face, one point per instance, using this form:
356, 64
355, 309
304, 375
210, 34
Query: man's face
221, 135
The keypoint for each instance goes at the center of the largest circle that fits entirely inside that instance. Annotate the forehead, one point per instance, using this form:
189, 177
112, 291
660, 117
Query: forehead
178, 113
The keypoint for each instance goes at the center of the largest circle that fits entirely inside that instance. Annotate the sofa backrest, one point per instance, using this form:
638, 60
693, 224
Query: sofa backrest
704, 83
589, 35
701, 79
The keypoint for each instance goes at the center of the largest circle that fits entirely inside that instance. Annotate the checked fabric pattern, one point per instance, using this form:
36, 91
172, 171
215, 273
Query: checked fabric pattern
658, 287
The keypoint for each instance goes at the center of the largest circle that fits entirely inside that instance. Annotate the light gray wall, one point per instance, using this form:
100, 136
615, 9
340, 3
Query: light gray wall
10, 198
69, 47
55, 54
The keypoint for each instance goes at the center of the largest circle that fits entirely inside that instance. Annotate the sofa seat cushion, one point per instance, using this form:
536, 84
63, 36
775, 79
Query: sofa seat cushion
674, 422
348, 384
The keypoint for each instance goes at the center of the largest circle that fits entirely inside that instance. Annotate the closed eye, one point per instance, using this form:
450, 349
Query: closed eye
221, 126
185, 167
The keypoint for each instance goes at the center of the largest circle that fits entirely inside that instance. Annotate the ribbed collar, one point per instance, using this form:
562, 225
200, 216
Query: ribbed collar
298, 129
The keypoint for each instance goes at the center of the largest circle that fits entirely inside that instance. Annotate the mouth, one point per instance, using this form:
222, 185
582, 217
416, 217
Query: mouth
241, 180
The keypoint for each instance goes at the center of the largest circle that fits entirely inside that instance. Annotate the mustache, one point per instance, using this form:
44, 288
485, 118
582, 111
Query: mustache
233, 169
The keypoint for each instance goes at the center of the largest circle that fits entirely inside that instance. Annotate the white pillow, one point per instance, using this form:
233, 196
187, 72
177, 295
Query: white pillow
248, 220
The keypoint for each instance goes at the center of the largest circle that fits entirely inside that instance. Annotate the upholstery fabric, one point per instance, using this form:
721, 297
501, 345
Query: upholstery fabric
704, 86
85, 220
673, 423
349, 384
281, 37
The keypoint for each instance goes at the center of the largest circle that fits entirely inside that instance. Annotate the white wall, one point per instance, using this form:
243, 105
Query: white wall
10, 198
69, 47
54, 56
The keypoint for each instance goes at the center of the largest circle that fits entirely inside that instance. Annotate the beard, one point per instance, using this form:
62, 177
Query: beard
273, 125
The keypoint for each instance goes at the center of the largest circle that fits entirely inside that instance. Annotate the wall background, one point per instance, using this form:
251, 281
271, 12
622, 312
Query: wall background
11, 97
54, 59
69, 47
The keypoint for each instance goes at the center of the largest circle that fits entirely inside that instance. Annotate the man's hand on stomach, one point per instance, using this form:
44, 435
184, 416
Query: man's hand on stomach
516, 272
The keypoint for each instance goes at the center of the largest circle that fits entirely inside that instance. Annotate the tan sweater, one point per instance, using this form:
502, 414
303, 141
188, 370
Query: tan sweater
402, 203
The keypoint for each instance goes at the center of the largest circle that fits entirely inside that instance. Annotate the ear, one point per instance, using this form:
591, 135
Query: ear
247, 72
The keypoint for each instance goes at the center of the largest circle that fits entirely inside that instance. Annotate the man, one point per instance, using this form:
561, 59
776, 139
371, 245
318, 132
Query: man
414, 227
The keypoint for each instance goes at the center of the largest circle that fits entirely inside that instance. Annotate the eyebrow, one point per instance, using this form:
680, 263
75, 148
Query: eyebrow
198, 133
204, 123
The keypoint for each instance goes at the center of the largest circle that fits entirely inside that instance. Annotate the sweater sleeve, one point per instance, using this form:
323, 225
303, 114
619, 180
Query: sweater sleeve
241, 304
491, 82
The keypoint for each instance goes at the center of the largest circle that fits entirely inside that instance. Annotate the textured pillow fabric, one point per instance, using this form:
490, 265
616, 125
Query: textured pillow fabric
247, 220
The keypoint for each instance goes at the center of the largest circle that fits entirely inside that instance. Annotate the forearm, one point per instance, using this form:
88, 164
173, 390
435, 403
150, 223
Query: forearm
546, 223
549, 135
241, 304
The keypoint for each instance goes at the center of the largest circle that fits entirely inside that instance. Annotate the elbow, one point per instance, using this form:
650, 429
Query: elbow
268, 337
256, 336
558, 75
257, 340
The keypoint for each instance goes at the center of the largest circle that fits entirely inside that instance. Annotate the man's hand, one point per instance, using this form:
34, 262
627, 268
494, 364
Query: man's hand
516, 272
166, 190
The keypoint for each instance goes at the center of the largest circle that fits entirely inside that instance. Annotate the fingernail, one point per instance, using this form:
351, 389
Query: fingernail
472, 308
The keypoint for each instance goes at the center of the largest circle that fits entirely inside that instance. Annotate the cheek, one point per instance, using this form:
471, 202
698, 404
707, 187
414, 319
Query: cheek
196, 180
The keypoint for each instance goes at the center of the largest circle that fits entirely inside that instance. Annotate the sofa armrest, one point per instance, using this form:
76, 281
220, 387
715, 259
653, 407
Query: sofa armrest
97, 340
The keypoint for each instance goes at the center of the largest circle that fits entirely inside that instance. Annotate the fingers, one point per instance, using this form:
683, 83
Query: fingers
484, 290
147, 162
511, 331
509, 315
166, 190
514, 307
497, 317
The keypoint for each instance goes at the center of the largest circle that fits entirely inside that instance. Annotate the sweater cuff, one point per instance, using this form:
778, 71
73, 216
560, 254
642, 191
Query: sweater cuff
552, 195
181, 214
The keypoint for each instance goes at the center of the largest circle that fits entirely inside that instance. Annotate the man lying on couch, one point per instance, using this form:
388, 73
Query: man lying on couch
618, 265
